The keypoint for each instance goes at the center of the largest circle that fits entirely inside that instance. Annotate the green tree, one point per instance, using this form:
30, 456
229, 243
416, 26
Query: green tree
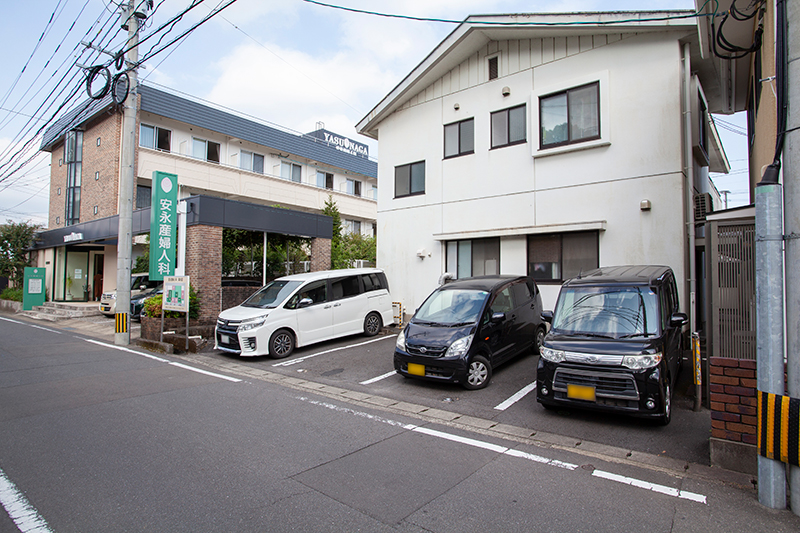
142, 263
337, 254
16, 240
355, 246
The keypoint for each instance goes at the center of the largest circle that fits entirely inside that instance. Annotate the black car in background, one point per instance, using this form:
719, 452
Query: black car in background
615, 343
467, 327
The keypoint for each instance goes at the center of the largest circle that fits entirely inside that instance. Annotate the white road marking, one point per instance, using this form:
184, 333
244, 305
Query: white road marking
373, 380
669, 491
516, 397
19, 509
661, 489
206, 372
301, 359
46, 329
9, 320
122, 349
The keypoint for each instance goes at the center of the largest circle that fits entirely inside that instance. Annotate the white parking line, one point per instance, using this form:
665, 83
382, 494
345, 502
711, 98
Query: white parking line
516, 397
373, 380
19, 509
301, 359
646, 485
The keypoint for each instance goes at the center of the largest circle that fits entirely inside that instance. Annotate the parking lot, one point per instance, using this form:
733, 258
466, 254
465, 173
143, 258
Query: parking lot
365, 365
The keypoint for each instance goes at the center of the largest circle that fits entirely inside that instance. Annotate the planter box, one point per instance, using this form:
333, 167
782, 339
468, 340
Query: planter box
151, 329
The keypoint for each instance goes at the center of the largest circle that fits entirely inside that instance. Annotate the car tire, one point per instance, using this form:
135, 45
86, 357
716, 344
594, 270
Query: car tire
479, 373
281, 344
538, 340
666, 414
372, 324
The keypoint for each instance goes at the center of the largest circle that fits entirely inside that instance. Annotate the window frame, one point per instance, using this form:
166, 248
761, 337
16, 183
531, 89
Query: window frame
157, 130
570, 140
462, 247
507, 112
410, 167
561, 276
207, 145
252, 166
291, 166
459, 131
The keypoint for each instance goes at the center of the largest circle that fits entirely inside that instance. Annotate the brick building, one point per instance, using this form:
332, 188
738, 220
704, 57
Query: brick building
232, 172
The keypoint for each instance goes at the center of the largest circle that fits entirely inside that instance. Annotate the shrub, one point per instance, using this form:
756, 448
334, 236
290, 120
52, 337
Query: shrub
12, 294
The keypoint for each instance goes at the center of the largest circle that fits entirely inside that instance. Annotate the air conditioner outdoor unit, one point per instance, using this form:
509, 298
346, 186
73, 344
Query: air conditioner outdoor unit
702, 206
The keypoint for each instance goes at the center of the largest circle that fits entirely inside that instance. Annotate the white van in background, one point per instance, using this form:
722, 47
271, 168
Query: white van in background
306, 308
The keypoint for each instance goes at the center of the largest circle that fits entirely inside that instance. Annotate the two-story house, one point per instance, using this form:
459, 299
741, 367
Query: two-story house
545, 144
233, 170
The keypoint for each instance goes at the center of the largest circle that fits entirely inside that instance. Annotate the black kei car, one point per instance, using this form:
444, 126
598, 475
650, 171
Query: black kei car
615, 343
467, 327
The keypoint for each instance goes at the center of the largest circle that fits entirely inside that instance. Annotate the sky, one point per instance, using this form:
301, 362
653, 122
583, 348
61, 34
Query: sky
292, 63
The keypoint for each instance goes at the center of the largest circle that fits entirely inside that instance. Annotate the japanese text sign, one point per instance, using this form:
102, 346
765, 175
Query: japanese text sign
163, 223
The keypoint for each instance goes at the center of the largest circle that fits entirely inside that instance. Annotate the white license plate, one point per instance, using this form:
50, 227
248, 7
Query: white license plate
224, 339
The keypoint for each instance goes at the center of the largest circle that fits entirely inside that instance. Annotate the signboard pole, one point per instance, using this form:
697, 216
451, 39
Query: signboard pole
176, 298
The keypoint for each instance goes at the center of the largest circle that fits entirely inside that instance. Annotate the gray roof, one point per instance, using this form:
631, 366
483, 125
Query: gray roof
196, 114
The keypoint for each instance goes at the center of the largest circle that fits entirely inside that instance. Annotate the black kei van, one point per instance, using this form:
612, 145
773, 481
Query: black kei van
615, 343
468, 327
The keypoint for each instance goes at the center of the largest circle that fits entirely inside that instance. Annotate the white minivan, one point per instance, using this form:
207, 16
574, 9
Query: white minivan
306, 308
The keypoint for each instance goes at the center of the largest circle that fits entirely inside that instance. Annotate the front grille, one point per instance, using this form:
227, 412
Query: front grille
615, 385
228, 327
426, 351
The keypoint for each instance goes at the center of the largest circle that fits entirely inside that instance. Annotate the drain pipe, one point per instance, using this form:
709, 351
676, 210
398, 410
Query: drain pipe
689, 212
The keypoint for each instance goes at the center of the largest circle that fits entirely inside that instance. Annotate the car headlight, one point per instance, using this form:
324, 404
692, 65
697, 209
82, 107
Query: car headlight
641, 362
554, 356
252, 323
401, 341
459, 347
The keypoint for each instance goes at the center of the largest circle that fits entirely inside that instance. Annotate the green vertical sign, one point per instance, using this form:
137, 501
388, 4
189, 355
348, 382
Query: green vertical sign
163, 223
33, 293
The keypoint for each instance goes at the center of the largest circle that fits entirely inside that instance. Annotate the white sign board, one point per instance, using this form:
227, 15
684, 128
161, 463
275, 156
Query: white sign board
176, 294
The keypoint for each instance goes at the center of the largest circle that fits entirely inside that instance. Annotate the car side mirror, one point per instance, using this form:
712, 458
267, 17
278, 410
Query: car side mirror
305, 302
547, 316
498, 317
678, 320
142, 287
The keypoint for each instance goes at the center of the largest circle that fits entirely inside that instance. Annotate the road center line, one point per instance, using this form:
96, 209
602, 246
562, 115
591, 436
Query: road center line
19, 509
516, 397
301, 359
373, 380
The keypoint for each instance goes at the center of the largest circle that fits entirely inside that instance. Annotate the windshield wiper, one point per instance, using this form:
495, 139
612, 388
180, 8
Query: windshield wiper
595, 335
633, 335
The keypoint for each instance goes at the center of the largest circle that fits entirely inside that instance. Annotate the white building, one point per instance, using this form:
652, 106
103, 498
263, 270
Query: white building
544, 149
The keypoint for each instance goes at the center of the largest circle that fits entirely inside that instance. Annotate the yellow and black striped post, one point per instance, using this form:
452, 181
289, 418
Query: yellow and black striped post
779, 427
121, 323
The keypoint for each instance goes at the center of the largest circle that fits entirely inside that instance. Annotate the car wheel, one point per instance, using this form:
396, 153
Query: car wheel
372, 324
479, 372
540, 333
281, 344
666, 415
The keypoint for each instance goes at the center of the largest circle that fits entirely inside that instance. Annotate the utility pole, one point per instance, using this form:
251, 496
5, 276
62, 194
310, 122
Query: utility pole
127, 178
791, 214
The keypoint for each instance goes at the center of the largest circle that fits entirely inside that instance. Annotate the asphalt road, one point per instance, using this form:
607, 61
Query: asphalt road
97, 438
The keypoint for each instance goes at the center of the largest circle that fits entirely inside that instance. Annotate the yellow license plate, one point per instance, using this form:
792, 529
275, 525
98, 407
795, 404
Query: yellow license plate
416, 370
581, 392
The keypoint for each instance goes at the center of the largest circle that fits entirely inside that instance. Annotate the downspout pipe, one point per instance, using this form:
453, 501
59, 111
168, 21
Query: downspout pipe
689, 201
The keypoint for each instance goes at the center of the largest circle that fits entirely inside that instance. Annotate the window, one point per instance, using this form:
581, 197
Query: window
155, 137
508, 127
143, 195
560, 257
324, 180
409, 179
570, 117
354, 187
251, 161
459, 138
373, 282
208, 150
494, 70
345, 287
374, 192
291, 171
352, 226
477, 257
73, 157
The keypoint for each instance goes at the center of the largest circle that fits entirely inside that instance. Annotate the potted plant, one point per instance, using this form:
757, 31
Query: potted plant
68, 295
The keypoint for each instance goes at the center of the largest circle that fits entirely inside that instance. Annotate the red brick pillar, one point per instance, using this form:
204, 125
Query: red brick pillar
734, 414
320, 254
204, 267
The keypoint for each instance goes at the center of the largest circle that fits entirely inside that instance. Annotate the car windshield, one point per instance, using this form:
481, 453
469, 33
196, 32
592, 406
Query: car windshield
613, 312
272, 294
448, 307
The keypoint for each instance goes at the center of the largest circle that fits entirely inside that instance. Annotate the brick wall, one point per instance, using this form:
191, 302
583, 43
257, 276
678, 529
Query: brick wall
734, 415
204, 267
320, 254
100, 175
